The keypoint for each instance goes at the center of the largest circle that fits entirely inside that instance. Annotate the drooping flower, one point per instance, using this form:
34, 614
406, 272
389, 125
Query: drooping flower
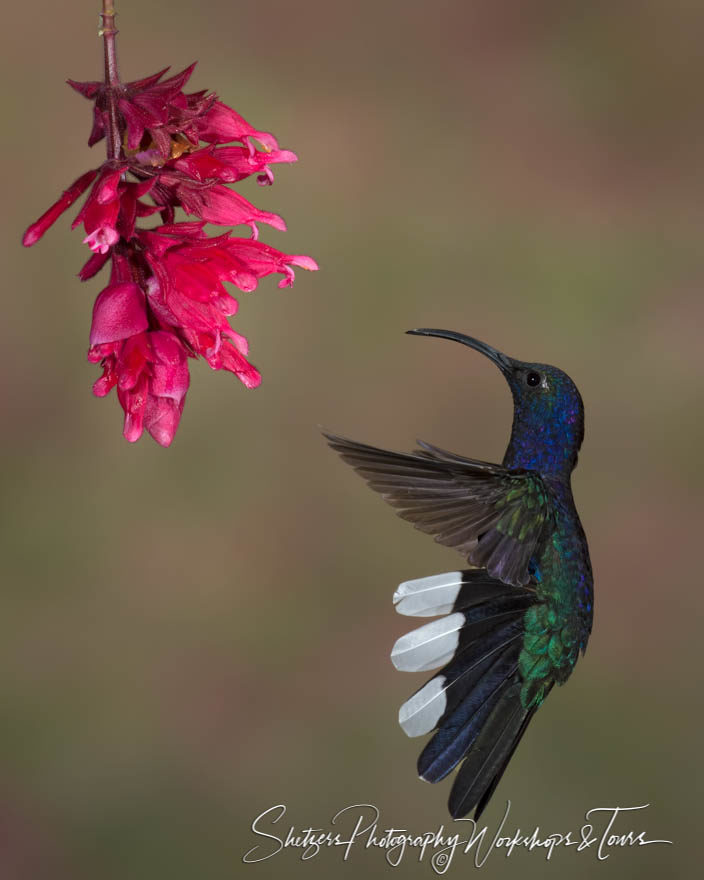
166, 300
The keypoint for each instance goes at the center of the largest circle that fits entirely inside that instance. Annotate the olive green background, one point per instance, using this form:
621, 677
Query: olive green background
190, 636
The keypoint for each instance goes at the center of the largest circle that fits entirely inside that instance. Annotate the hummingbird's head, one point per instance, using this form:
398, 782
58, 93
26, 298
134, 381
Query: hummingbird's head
548, 415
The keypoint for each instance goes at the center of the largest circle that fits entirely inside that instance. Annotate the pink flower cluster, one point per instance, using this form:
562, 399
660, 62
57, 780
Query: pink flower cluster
166, 300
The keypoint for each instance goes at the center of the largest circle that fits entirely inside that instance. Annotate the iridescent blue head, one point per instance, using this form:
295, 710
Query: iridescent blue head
548, 415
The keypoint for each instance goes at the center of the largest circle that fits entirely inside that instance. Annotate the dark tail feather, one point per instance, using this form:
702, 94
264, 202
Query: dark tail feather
474, 702
491, 751
461, 725
486, 797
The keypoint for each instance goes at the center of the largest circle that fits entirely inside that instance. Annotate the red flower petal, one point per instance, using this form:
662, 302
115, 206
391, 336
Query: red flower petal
67, 198
304, 262
223, 206
119, 312
221, 124
94, 264
161, 418
170, 377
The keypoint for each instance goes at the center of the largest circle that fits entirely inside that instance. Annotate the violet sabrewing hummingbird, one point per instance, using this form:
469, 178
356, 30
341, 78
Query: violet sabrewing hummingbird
514, 624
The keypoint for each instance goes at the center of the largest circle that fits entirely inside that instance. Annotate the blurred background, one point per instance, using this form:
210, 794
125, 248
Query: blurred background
190, 636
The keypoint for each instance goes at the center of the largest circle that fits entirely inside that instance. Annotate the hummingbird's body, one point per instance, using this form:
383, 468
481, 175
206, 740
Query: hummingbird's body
514, 625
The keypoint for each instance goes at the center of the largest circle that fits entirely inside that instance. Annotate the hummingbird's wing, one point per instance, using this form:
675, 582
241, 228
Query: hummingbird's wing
496, 517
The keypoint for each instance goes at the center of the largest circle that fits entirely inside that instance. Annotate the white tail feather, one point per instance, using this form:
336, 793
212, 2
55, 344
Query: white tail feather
428, 596
421, 713
428, 646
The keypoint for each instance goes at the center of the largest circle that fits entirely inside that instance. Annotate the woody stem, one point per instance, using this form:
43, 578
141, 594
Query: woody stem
112, 79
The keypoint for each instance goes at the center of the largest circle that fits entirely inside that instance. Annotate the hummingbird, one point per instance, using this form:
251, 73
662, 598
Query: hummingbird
514, 624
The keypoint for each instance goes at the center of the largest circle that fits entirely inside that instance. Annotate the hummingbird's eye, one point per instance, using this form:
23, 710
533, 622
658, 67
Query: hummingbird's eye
533, 379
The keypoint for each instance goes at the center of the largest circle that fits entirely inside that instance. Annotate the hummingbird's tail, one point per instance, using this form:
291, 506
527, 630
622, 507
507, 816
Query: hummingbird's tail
474, 702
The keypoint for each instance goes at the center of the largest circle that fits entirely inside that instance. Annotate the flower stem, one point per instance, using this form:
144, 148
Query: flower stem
108, 32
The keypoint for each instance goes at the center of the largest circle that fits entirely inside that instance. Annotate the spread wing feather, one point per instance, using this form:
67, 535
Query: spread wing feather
494, 516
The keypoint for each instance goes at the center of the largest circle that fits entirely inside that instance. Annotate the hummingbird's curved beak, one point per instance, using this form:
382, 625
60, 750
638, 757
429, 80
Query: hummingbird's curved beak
501, 360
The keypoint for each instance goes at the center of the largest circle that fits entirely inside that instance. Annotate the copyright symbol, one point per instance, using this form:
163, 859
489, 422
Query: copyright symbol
440, 861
